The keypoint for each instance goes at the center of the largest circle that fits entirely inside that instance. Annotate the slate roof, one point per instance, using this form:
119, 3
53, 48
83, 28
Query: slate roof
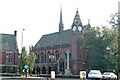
56, 38
8, 42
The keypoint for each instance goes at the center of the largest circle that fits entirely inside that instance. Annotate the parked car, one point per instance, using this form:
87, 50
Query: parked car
109, 75
95, 74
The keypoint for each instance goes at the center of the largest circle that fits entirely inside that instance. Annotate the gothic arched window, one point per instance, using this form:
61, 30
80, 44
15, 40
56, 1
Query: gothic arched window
57, 55
42, 57
48, 54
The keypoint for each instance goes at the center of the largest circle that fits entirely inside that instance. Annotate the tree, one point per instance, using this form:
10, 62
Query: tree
27, 59
96, 41
115, 22
31, 60
23, 59
110, 36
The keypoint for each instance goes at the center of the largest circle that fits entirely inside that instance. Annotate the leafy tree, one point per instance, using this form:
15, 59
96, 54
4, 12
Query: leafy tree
115, 22
27, 59
96, 41
110, 36
32, 57
23, 59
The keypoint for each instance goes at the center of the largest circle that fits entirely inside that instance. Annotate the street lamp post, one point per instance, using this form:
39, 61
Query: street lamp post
52, 61
46, 61
22, 39
52, 58
52, 69
83, 65
21, 50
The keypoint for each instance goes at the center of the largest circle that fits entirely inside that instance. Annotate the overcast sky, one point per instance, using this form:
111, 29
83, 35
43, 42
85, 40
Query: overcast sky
39, 17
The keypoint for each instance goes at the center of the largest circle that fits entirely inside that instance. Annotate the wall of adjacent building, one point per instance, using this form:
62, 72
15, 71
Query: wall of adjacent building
2, 58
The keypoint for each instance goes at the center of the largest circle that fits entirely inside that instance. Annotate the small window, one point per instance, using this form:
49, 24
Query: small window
9, 58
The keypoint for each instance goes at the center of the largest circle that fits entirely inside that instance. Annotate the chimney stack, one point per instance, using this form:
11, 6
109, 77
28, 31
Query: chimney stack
15, 33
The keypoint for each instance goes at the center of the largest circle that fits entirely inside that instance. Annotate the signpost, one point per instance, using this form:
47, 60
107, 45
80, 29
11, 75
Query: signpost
26, 68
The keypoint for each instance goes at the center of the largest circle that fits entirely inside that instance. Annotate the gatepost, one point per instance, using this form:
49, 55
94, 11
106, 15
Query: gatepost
82, 75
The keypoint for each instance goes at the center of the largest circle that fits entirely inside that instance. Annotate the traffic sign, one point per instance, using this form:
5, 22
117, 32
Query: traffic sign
27, 70
23, 70
26, 66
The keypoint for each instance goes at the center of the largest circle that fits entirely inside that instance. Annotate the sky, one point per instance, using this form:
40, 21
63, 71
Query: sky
40, 17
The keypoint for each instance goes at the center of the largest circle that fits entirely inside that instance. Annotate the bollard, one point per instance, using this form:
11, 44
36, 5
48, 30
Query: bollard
82, 75
52, 75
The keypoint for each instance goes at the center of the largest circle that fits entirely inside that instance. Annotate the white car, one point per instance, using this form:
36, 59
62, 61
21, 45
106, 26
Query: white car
95, 74
109, 75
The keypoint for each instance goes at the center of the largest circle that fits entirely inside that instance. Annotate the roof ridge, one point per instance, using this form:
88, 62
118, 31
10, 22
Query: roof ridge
50, 33
56, 32
6, 34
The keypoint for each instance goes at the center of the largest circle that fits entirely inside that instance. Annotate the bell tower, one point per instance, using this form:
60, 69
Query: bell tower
77, 28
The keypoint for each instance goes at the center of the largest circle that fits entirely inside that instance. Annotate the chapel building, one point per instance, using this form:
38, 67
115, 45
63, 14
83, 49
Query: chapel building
62, 50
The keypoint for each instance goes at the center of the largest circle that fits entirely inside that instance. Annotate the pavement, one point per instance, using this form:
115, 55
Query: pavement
33, 78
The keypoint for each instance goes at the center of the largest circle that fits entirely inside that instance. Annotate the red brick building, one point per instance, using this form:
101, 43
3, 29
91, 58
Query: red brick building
52, 48
8, 53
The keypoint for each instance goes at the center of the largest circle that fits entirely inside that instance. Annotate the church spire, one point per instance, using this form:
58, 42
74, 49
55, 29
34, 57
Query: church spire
61, 22
77, 20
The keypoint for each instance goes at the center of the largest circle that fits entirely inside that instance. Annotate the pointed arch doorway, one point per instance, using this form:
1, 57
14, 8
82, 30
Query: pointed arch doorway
61, 66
